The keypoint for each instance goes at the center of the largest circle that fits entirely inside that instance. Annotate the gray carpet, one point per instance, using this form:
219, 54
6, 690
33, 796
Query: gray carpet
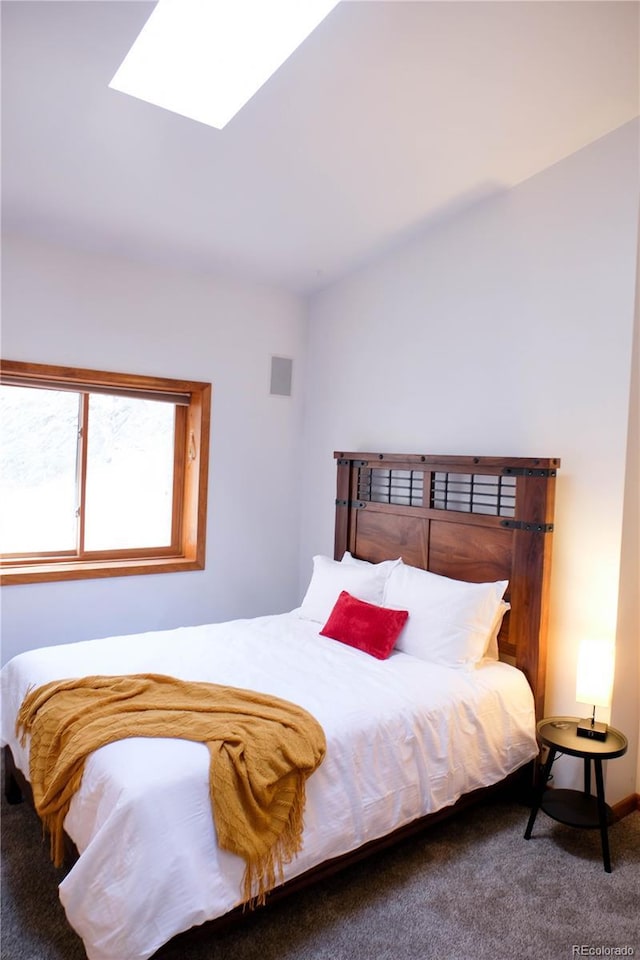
472, 889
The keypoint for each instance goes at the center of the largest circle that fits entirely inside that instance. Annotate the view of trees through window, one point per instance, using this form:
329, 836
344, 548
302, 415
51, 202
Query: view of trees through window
126, 500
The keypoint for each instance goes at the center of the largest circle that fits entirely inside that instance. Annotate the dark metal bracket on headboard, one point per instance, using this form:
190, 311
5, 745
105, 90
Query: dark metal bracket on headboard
528, 472
531, 527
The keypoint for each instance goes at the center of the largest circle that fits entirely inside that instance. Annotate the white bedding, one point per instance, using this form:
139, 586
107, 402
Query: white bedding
404, 738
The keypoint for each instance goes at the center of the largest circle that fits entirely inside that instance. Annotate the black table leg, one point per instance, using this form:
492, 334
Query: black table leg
537, 800
587, 776
602, 814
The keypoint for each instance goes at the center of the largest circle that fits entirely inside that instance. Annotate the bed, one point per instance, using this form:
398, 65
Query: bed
411, 736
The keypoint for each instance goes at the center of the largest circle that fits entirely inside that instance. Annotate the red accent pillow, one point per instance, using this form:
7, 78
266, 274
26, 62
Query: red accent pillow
364, 625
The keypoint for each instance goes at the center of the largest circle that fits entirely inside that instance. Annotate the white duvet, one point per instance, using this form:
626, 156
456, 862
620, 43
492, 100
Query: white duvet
404, 738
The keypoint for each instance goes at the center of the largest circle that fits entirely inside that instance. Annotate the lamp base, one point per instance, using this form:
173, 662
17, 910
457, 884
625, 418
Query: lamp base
592, 729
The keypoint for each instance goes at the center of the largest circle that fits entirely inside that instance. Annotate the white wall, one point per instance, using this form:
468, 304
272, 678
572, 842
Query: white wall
62, 307
505, 331
623, 779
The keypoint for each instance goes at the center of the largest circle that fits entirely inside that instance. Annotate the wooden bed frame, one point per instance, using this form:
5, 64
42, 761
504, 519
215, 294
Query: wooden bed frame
470, 518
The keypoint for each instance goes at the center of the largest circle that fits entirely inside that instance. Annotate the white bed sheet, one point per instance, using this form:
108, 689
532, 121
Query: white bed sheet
404, 738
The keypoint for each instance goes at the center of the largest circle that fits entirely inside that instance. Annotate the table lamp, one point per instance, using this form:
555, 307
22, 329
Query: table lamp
594, 684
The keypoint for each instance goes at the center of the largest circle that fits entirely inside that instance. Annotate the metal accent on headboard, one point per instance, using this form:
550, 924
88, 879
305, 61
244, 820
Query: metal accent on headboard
378, 485
529, 472
471, 518
531, 527
474, 493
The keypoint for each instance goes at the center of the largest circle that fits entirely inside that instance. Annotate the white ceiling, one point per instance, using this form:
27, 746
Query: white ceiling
391, 116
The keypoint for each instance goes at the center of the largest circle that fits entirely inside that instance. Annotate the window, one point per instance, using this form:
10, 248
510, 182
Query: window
101, 474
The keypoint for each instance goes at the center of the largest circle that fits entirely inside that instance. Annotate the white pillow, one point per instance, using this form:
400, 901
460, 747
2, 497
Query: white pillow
330, 577
450, 621
492, 652
386, 565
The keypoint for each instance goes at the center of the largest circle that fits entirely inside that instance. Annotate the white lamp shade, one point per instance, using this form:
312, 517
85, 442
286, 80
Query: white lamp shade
594, 683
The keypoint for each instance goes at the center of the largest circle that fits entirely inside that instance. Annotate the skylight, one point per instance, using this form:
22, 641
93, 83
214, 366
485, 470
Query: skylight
204, 59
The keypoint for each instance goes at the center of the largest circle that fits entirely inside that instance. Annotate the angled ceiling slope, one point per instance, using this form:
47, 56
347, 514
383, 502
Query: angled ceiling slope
388, 116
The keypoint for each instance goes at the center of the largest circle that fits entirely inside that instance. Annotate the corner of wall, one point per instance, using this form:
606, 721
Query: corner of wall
623, 777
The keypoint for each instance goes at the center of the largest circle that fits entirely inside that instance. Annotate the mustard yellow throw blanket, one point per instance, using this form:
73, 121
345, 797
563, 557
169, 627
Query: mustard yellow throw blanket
262, 750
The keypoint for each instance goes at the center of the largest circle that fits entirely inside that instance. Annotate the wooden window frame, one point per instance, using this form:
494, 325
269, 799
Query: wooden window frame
191, 469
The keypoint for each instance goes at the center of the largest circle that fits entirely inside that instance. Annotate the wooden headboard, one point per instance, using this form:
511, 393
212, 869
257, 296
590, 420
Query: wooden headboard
470, 518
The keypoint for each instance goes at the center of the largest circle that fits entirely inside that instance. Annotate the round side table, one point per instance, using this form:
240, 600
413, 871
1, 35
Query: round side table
577, 808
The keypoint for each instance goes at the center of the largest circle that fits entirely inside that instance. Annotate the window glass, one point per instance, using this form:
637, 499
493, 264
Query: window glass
38, 450
130, 456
